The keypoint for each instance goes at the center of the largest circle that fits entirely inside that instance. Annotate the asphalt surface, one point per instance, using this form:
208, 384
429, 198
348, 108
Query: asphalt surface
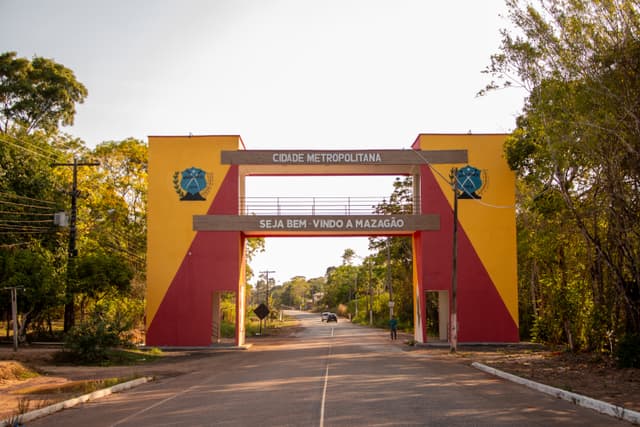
328, 375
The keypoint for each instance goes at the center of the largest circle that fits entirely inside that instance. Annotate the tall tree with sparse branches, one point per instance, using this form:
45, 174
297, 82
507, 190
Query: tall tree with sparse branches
576, 149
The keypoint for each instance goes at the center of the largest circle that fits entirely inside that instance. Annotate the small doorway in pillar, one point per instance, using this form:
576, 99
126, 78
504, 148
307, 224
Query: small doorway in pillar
437, 316
223, 317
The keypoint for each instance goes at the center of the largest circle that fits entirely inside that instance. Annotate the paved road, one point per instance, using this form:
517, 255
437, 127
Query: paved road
328, 375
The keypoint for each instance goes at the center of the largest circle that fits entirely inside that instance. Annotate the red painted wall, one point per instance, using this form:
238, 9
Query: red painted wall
482, 314
212, 263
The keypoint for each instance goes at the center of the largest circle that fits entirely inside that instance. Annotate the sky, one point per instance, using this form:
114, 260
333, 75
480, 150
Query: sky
282, 74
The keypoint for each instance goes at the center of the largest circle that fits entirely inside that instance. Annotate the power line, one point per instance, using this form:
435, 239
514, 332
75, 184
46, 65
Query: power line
44, 231
51, 154
15, 196
5, 202
125, 251
12, 245
28, 150
469, 195
29, 221
131, 242
24, 213
23, 227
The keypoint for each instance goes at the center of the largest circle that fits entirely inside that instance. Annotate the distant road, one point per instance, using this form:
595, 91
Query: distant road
328, 375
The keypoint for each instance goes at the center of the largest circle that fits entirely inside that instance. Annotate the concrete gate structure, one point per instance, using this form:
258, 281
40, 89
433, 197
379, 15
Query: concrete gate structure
197, 225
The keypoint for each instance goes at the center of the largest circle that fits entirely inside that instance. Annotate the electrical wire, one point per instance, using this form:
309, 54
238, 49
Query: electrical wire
470, 196
131, 245
43, 152
12, 245
24, 213
28, 150
26, 233
5, 202
15, 196
23, 227
28, 221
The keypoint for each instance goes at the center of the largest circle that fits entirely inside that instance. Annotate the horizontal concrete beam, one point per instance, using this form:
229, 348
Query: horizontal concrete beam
317, 224
343, 157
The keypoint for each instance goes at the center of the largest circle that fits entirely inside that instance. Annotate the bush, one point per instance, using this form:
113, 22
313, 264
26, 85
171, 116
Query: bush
628, 351
90, 341
109, 326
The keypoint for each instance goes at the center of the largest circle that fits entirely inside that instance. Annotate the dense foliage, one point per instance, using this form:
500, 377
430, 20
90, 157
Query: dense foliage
576, 150
36, 97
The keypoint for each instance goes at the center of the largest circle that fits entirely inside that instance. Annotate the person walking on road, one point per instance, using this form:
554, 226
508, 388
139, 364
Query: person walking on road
393, 326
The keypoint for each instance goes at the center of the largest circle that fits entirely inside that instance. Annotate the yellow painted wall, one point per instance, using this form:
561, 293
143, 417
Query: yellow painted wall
489, 222
169, 220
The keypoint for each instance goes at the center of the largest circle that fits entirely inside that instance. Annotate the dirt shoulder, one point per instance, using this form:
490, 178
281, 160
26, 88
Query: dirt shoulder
588, 374
585, 374
591, 375
25, 374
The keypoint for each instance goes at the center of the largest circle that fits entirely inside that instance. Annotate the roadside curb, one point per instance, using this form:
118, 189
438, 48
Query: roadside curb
48, 410
578, 399
203, 348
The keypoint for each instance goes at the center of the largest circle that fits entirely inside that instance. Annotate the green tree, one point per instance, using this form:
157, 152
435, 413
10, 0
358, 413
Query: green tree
394, 255
35, 98
576, 149
41, 290
29, 194
112, 212
101, 275
37, 94
348, 255
340, 286
254, 245
293, 292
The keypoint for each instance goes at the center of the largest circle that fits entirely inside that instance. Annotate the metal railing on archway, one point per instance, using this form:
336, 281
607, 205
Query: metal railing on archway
322, 205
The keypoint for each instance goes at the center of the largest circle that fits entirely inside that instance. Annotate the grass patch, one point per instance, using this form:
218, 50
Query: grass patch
271, 327
114, 357
132, 357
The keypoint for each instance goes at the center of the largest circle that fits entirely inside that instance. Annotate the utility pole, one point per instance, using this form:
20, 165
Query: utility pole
69, 308
389, 285
370, 297
14, 313
454, 266
266, 273
355, 292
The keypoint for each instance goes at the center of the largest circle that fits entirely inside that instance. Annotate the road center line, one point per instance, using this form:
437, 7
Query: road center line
326, 382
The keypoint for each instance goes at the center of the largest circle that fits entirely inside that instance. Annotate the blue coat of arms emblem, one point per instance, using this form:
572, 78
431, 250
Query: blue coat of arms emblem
469, 182
192, 183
